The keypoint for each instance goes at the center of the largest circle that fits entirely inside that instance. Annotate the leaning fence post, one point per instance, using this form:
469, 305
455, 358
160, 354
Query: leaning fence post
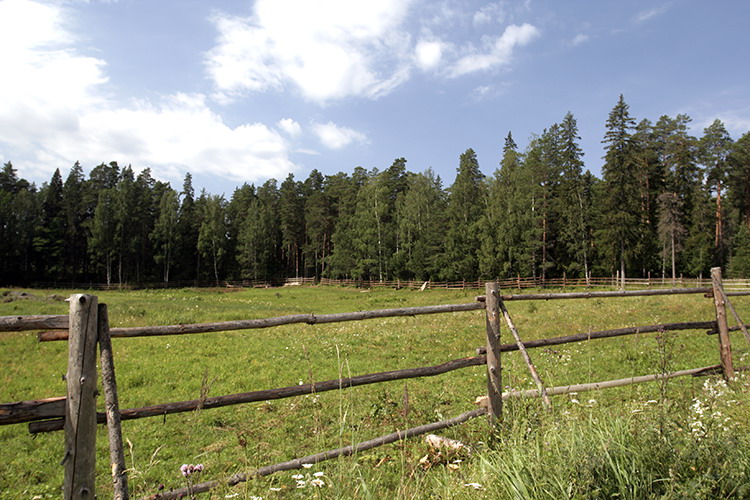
494, 378
725, 348
112, 405
80, 405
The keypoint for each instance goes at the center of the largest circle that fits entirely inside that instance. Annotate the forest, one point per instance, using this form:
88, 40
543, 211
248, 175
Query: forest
667, 204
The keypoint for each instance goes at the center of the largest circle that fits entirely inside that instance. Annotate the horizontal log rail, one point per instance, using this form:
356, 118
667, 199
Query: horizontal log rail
607, 294
310, 319
299, 463
246, 397
41, 322
603, 334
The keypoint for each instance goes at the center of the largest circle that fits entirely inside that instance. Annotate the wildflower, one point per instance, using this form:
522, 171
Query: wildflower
274, 489
185, 468
319, 474
317, 482
236, 495
298, 476
575, 401
301, 483
307, 466
476, 486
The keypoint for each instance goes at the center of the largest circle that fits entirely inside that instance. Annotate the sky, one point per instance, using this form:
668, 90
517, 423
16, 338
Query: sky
244, 91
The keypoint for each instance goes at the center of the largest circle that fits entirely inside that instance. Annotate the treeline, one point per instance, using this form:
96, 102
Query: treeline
667, 204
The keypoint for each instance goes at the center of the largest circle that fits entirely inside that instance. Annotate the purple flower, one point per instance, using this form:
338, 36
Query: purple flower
185, 469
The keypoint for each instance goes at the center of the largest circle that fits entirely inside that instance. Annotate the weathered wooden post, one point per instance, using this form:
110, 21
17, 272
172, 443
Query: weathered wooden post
111, 400
725, 348
494, 367
80, 404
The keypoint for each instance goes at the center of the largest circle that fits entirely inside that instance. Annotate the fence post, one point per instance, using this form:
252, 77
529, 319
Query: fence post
112, 405
494, 367
725, 348
80, 404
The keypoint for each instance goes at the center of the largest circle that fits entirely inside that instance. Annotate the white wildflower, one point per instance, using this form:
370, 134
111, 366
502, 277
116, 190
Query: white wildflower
317, 482
319, 474
476, 486
307, 466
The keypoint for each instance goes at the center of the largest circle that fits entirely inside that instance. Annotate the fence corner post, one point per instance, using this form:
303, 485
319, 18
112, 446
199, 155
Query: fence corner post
725, 347
494, 367
80, 405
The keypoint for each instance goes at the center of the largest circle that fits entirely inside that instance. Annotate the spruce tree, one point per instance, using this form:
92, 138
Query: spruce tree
621, 206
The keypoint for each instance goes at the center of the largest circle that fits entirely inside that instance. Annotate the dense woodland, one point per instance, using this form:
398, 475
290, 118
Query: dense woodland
667, 204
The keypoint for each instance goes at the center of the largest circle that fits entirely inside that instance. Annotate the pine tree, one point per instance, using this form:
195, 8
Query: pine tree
292, 222
49, 242
714, 149
466, 203
621, 210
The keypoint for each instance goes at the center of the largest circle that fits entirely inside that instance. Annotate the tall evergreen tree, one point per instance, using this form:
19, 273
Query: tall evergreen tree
164, 234
212, 237
49, 242
466, 202
621, 208
292, 223
715, 147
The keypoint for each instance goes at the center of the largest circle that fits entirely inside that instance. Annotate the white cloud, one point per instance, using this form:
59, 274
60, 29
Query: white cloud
55, 110
328, 49
579, 39
334, 137
491, 13
428, 54
649, 14
290, 127
498, 51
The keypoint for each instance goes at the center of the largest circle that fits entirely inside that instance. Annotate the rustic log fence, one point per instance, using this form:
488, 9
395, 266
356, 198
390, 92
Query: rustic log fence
88, 324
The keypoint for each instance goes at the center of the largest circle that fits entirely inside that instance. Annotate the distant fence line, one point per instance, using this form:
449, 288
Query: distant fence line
503, 283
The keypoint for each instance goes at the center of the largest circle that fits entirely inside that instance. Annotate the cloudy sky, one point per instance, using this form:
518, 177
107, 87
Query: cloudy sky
242, 91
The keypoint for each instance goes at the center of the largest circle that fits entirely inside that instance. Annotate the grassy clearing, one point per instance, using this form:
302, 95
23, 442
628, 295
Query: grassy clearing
644, 441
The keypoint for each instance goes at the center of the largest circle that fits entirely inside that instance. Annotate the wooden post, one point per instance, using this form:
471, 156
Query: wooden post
725, 348
112, 405
80, 407
494, 367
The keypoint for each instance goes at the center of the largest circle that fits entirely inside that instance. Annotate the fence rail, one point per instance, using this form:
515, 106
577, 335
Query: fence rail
57, 413
504, 283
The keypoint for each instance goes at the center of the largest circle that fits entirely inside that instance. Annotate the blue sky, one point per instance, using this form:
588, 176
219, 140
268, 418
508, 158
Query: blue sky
242, 91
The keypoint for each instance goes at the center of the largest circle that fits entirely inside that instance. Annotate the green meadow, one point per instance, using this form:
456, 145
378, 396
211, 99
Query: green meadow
684, 438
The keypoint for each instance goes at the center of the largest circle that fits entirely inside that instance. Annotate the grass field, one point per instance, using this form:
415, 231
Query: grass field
687, 438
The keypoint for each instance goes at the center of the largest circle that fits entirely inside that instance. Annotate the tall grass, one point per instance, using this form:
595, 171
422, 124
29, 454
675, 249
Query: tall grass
630, 442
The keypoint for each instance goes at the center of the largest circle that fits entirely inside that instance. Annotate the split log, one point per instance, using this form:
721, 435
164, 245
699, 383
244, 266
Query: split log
40, 322
579, 337
532, 393
591, 295
494, 364
269, 394
346, 451
310, 319
725, 346
526, 357
27, 411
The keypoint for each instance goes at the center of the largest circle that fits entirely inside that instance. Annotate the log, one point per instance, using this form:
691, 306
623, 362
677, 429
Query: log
533, 393
40, 322
112, 405
80, 404
310, 319
591, 295
346, 451
494, 365
725, 347
579, 337
27, 411
269, 394
526, 357
740, 323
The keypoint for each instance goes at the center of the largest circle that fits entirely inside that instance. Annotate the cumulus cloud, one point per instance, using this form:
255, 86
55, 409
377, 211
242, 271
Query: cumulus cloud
497, 51
55, 110
290, 127
491, 13
327, 50
428, 54
334, 137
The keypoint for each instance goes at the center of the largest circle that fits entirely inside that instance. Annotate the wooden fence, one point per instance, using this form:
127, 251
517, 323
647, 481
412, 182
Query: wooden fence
504, 283
88, 325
